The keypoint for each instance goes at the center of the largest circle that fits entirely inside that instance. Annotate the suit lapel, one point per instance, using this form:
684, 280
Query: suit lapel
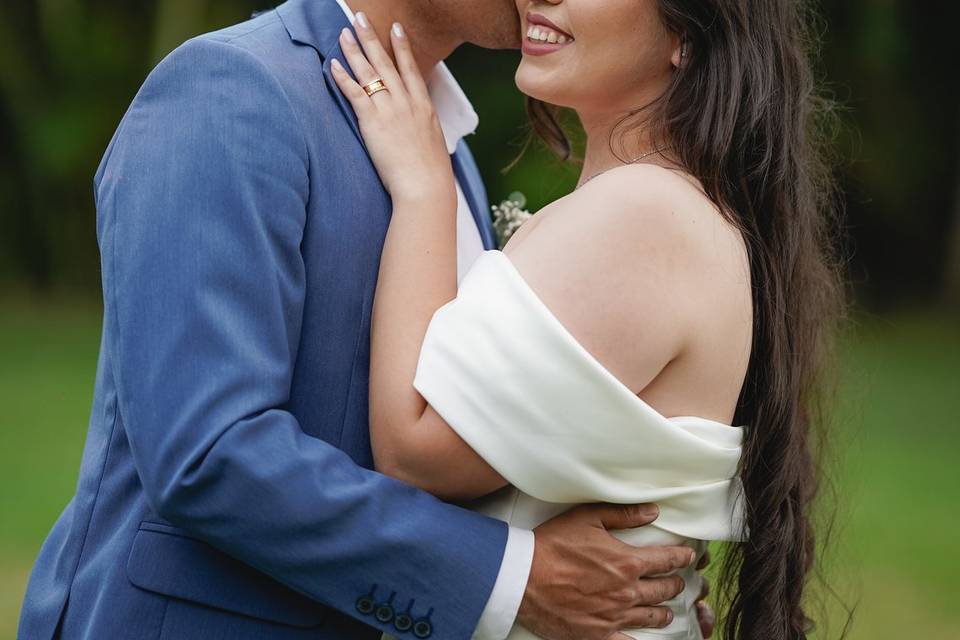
469, 178
342, 102
318, 23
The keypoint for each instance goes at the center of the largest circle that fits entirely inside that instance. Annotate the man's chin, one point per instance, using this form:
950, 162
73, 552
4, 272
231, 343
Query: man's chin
513, 45
508, 42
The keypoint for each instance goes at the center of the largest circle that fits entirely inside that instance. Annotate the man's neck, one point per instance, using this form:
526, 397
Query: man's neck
430, 32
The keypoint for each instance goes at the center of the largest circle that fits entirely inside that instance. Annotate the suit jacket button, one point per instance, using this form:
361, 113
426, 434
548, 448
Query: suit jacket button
365, 605
403, 622
422, 629
384, 613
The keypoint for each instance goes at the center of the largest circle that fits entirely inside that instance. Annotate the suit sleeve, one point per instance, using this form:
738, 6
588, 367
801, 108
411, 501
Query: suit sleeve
201, 210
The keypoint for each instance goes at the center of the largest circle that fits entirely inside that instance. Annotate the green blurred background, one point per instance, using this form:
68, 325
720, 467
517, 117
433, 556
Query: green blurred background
69, 68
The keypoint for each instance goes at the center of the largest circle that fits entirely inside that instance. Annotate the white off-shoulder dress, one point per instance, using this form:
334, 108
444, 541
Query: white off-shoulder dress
513, 382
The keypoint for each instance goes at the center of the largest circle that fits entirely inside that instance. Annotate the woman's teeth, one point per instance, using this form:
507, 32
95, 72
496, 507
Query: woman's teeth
540, 33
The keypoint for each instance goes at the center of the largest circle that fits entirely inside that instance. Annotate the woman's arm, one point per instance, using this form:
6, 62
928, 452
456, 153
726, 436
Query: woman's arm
418, 269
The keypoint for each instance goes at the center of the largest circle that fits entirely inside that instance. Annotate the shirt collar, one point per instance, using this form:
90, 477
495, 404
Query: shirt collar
457, 117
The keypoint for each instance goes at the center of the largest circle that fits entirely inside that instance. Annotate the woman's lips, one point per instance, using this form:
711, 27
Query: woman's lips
543, 37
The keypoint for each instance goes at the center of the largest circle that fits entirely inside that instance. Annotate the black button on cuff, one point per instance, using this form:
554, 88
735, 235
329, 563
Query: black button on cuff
422, 629
365, 605
384, 613
403, 622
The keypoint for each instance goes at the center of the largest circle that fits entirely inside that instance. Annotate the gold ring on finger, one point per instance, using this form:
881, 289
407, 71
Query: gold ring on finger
373, 87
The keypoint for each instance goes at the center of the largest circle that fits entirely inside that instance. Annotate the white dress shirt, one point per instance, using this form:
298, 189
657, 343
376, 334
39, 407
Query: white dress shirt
458, 119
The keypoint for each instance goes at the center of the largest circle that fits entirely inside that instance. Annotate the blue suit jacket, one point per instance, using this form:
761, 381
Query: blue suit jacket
225, 489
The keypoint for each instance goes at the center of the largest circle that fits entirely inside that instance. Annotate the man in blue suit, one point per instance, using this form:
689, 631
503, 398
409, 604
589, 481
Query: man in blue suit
226, 488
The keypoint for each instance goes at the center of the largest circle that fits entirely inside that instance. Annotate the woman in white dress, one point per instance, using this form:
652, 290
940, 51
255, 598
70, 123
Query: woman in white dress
652, 337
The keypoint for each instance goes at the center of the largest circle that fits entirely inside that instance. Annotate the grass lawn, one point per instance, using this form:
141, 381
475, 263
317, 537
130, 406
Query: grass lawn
897, 459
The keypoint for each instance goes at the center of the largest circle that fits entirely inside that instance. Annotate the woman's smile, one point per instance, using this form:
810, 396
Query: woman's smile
543, 36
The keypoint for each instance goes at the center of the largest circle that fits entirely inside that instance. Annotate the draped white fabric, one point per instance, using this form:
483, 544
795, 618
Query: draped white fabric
513, 382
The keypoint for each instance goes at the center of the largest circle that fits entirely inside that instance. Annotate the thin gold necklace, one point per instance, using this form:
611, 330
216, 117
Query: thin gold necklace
637, 159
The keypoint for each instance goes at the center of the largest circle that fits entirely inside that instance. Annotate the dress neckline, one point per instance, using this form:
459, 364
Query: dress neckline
589, 357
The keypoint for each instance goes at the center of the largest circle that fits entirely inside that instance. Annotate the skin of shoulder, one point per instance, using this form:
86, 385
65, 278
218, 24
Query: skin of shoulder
629, 263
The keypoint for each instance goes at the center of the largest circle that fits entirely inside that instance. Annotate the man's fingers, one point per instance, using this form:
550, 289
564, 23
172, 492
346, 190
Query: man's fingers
654, 561
704, 589
654, 591
648, 617
625, 516
706, 618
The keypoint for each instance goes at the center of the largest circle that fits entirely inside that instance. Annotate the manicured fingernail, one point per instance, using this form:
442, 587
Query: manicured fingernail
336, 65
362, 19
693, 556
649, 510
397, 30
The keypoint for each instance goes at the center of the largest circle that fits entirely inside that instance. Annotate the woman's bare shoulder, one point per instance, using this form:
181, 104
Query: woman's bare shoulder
646, 198
640, 213
632, 258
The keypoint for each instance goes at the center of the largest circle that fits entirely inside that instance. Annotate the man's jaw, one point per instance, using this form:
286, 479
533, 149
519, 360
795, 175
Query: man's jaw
431, 42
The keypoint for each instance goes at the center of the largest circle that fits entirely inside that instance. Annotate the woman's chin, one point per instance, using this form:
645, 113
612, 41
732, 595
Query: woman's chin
533, 84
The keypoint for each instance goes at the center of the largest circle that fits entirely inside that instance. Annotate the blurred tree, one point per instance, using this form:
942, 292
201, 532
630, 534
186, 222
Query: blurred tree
889, 61
174, 19
951, 281
68, 70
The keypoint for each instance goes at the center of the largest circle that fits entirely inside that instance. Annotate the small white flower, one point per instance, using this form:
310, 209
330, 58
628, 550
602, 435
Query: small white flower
508, 216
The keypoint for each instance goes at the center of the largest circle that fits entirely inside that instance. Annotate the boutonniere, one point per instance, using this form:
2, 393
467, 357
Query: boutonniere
508, 216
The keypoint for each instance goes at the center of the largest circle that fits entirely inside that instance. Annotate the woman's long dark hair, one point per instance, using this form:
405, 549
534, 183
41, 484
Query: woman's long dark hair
745, 115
